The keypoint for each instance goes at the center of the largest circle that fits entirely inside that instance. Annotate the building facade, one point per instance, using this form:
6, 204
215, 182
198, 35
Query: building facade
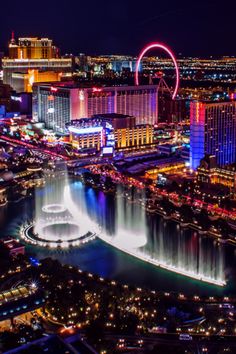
213, 132
32, 48
22, 82
58, 105
18, 304
208, 172
109, 132
172, 111
5, 96
29, 55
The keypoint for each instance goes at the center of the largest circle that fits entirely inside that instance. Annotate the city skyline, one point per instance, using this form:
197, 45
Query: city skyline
125, 27
118, 177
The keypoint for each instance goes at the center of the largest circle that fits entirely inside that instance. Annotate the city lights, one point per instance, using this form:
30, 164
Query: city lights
118, 181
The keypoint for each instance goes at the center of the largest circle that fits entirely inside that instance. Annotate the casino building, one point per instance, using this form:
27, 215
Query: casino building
213, 132
33, 60
106, 132
58, 104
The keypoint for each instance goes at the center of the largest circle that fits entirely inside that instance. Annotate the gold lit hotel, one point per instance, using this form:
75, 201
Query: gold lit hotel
33, 60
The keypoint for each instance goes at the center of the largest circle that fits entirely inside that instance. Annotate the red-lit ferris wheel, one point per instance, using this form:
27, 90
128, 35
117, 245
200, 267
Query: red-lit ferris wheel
170, 53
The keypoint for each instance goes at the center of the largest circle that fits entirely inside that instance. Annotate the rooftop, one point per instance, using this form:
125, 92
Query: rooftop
112, 116
14, 294
12, 243
90, 86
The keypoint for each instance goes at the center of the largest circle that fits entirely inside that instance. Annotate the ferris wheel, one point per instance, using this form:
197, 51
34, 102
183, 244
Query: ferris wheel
162, 82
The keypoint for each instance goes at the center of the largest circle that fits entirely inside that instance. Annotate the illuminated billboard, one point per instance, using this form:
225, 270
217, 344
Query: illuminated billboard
107, 150
82, 131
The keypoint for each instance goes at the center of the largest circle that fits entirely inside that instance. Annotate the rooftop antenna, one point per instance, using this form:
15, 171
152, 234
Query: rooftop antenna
13, 37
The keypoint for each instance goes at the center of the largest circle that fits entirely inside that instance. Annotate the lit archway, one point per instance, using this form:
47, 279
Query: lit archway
169, 52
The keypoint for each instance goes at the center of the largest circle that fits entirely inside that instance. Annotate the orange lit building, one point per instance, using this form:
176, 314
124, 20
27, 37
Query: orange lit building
32, 48
134, 138
23, 82
139, 136
19, 304
33, 60
208, 172
110, 130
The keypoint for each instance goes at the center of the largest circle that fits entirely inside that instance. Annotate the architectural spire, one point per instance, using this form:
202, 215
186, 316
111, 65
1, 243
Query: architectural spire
13, 37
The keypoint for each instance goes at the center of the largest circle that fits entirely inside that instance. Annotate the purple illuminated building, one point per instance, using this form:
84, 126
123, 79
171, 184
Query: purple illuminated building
213, 132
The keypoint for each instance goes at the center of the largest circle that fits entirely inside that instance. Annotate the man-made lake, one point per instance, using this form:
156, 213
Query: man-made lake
123, 218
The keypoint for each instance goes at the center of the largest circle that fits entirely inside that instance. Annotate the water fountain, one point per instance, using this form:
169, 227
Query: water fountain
59, 222
161, 246
124, 224
131, 228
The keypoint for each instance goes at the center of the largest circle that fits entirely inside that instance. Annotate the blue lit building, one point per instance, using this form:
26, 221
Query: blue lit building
119, 65
213, 132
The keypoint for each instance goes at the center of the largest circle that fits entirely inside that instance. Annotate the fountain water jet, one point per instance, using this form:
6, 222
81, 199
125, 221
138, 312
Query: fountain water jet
160, 246
130, 230
126, 227
58, 221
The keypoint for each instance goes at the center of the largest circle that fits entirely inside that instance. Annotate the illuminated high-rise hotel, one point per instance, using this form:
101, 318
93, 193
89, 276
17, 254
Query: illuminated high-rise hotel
59, 104
32, 48
33, 60
213, 132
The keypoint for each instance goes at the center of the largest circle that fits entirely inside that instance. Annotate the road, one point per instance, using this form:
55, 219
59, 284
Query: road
33, 147
198, 344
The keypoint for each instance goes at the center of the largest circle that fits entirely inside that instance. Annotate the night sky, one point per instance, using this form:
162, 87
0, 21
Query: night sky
197, 28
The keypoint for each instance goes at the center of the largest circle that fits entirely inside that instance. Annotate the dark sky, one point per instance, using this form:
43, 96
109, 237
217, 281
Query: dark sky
200, 28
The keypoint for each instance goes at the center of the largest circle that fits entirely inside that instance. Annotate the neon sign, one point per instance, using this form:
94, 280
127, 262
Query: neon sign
96, 89
16, 98
53, 89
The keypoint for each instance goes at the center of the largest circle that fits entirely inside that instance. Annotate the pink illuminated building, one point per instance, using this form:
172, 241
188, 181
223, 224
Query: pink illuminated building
57, 105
